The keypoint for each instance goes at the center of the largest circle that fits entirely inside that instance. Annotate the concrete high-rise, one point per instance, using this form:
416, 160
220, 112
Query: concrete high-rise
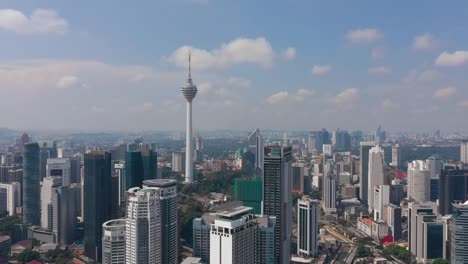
277, 197
418, 181
31, 187
178, 163
464, 151
10, 197
458, 226
381, 199
329, 187
48, 184
233, 237
256, 146
113, 242
189, 91
396, 156
59, 167
97, 200
47, 150
307, 227
65, 209
394, 221
317, 139
169, 218
364, 171
143, 226
376, 172
425, 232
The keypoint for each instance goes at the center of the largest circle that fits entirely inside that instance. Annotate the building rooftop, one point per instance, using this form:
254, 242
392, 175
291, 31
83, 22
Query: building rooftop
160, 183
236, 211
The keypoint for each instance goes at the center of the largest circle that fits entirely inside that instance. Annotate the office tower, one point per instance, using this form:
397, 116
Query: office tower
317, 139
249, 192
178, 163
256, 146
381, 199
150, 164
24, 139
418, 181
10, 197
59, 167
47, 150
434, 165
277, 197
464, 151
31, 187
248, 163
169, 220
396, 156
97, 203
65, 153
143, 226
458, 226
364, 171
48, 183
189, 91
425, 232
329, 187
394, 221
198, 153
65, 208
113, 242
133, 169
327, 149
376, 172
341, 140
233, 237
298, 177
380, 135
453, 187
307, 227
266, 238
119, 171
75, 169
396, 193
201, 236
446, 220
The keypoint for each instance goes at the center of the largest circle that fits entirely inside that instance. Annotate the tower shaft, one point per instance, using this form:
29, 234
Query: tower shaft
189, 146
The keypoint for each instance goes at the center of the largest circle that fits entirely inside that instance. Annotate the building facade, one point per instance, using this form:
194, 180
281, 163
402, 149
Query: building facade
256, 146
31, 186
10, 197
376, 172
364, 171
113, 242
458, 226
419, 181
307, 227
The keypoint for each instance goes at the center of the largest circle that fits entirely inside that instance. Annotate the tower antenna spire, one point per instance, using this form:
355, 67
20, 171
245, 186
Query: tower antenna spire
190, 64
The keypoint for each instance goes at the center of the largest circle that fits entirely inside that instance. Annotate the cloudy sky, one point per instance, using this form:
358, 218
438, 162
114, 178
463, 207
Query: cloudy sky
119, 65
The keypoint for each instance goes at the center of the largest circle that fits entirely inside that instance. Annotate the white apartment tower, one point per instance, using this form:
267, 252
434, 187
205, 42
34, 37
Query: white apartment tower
233, 237
10, 197
256, 146
189, 91
396, 156
113, 242
419, 178
47, 186
381, 199
376, 172
464, 151
307, 227
143, 226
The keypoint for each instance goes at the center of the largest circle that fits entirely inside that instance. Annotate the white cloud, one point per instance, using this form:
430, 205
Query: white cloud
41, 21
378, 53
444, 93
364, 36
321, 69
278, 98
379, 70
425, 42
67, 81
457, 58
204, 88
302, 94
424, 76
388, 105
344, 101
463, 105
289, 53
241, 50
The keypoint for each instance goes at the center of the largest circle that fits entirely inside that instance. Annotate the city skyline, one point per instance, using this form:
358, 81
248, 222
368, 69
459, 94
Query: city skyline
351, 65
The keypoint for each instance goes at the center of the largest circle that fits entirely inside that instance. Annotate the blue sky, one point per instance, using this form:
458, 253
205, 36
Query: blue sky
119, 65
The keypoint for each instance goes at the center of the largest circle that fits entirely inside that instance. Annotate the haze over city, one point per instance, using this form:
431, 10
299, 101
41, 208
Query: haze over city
100, 66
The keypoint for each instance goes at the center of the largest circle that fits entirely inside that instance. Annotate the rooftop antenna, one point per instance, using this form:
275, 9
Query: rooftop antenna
189, 64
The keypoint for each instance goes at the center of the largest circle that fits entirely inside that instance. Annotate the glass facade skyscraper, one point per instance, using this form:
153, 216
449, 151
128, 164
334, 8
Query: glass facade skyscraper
31, 188
97, 200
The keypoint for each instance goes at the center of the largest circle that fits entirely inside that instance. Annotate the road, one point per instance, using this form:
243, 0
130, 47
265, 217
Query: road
334, 233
